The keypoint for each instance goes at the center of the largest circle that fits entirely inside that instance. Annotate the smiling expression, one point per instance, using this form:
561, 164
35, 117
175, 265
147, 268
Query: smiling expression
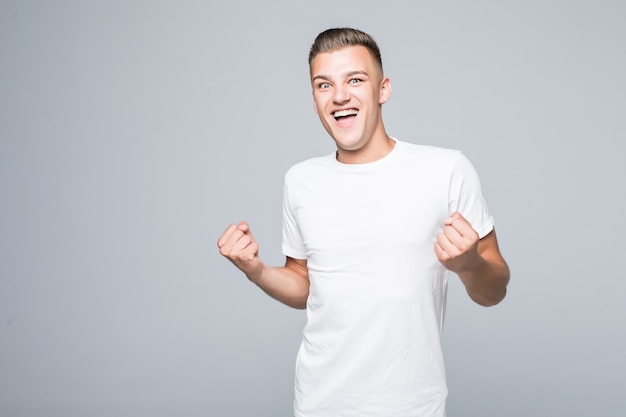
348, 92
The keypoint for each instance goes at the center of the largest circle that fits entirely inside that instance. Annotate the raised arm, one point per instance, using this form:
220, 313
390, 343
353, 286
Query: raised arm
288, 284
477, 262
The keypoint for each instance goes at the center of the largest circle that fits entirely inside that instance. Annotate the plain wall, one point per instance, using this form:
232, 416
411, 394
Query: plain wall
133, 132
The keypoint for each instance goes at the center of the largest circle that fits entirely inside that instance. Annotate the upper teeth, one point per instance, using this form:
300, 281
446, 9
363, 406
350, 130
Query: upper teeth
348, 112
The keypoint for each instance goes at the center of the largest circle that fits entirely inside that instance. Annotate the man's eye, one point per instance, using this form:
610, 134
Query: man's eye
324, 85
355, 81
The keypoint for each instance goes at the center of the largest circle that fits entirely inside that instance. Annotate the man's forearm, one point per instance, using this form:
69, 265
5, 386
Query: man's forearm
286, 284
486, 283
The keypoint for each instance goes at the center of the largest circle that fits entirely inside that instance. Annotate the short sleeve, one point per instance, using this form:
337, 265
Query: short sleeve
293, 245
465, 196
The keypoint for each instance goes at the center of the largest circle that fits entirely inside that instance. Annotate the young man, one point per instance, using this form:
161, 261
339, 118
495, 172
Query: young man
369, 233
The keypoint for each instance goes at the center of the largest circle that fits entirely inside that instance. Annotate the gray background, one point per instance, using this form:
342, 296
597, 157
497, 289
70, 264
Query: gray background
133, 132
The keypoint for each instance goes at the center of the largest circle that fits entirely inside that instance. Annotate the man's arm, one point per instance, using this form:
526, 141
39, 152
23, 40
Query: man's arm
477, 262
288, 284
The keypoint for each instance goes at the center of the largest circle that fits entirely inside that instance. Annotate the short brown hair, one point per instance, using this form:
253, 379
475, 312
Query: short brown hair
338, 38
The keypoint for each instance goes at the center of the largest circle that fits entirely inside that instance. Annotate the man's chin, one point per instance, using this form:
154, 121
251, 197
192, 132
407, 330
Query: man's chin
349, 146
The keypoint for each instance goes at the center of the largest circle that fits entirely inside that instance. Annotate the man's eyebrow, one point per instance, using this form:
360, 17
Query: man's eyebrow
346, 75
357, 72
320, 77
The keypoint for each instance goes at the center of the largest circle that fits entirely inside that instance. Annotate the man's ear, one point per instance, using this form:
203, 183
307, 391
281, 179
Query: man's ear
385, 91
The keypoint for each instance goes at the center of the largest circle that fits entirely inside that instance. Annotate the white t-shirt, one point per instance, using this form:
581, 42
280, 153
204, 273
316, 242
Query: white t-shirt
372, 343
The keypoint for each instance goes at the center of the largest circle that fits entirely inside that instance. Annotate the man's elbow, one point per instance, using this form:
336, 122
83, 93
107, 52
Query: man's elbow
489, 300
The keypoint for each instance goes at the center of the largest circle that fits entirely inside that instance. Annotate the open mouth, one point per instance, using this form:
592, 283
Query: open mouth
345, 114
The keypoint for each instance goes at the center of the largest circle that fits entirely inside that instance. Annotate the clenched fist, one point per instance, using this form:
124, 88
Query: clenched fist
457, 246
238, 245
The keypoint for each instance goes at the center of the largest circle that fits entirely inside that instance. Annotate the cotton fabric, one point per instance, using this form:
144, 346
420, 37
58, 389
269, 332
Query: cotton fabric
371, 346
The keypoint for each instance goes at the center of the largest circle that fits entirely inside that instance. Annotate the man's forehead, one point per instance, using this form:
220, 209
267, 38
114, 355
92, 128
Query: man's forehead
344, 61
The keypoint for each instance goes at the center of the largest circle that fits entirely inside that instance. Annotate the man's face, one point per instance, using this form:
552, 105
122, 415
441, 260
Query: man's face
348, 90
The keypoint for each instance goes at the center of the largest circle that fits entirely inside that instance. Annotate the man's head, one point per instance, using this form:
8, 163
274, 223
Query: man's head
349, 89
338, 38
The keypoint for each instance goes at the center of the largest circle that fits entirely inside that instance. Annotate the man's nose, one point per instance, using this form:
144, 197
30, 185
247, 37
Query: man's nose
342, 95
